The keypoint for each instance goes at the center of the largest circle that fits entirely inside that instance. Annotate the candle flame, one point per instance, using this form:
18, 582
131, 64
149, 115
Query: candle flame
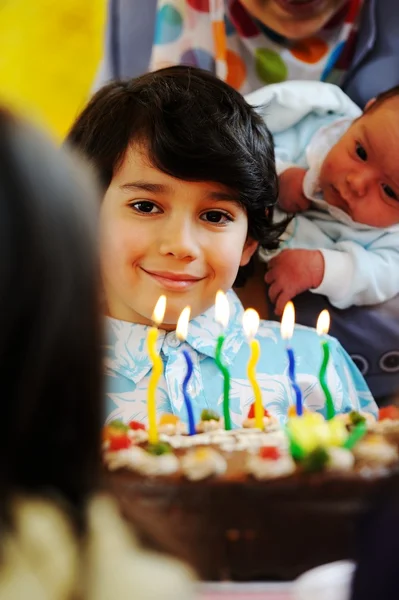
159, 310
250, 323
323, 322
222, 309
182, 323
288, 321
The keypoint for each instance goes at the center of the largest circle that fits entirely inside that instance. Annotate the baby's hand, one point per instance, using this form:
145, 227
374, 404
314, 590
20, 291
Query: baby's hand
292, 272
291, 197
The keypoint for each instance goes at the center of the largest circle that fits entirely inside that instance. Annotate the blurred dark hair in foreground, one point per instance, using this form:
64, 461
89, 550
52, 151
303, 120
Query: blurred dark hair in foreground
50, 367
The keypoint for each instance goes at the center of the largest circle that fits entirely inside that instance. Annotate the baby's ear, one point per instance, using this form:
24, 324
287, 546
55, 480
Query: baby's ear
369, 104
249, 250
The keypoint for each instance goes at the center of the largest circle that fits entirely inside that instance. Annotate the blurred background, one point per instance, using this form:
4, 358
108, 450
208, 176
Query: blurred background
49, 54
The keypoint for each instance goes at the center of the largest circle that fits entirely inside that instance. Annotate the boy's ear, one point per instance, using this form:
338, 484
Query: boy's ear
249, 250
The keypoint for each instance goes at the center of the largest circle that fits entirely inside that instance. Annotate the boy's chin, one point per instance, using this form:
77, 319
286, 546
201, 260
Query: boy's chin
171, 318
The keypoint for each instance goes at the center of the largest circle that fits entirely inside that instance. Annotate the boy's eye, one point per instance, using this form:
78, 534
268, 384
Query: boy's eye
388, 191
145, 206
361, 152
216, 217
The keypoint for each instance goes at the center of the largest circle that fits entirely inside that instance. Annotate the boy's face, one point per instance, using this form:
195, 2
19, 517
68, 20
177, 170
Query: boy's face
360, 174
161, 235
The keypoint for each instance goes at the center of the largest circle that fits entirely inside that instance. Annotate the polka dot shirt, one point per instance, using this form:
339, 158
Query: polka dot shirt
222, 37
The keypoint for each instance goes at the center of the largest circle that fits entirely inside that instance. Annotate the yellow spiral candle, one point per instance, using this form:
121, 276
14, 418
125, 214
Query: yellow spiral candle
250, 323
157, 368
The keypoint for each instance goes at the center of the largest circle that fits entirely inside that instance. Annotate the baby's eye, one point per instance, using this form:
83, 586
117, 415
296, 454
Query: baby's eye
388, 191
216, 217
361, 152
145, 206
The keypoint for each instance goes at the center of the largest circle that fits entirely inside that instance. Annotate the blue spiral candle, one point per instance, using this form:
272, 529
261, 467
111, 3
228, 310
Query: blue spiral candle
181, 333
287, 330
187, 399
295, 386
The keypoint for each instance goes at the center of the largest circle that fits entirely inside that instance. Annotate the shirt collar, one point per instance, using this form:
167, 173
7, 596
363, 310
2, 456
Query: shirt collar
126, 350
203, 331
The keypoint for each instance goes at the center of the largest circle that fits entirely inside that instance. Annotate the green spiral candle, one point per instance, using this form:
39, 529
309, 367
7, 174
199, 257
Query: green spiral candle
323, 325
226, 382
222, 313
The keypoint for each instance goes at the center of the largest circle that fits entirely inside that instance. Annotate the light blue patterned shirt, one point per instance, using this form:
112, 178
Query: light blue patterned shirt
128, 369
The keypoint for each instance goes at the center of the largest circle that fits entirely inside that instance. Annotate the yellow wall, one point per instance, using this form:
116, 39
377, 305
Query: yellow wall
49, 53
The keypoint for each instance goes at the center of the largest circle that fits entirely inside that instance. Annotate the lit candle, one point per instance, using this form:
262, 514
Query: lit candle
181, 332
250, 322
323, 325
222, 313
157, 368
287, 330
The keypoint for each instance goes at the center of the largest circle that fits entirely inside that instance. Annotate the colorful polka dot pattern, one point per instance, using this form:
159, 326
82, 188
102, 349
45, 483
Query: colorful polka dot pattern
230, 29
310, 50
185, 33
336, 53
236, 70
270, 67
197, 57
168, 25
244, 24
200, 5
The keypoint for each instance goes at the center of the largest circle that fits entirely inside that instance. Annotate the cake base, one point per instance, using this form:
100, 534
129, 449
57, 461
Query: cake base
251, 530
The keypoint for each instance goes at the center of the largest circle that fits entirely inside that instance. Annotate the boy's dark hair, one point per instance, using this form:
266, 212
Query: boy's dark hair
50, 343
196, 128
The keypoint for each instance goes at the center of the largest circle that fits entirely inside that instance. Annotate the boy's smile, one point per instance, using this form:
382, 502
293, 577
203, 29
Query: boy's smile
162, 235
173, 281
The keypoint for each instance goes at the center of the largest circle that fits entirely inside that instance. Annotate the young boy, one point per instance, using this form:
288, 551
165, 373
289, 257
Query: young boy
345, 244
190, 182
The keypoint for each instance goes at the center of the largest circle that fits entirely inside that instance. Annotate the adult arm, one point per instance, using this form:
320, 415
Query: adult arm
354, 275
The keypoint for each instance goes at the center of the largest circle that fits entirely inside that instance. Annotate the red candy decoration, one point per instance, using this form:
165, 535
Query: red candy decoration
135, 425
270, 452
119, 442
389, 412
251, 413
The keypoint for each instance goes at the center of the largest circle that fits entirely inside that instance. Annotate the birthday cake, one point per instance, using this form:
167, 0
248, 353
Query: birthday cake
251, 504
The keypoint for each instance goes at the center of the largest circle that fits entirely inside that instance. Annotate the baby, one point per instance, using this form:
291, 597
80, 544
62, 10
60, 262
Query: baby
189, 185
345, 244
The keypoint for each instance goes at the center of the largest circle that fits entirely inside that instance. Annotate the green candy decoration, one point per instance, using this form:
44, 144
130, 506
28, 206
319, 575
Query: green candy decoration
209, 415
159, 448
315, 461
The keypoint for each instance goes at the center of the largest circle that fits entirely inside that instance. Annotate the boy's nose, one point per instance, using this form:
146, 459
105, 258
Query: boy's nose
178, 240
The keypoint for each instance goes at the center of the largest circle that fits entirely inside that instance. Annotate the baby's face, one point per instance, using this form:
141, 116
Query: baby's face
360, 174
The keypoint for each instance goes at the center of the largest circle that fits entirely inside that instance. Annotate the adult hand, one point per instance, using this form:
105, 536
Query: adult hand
292, 272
